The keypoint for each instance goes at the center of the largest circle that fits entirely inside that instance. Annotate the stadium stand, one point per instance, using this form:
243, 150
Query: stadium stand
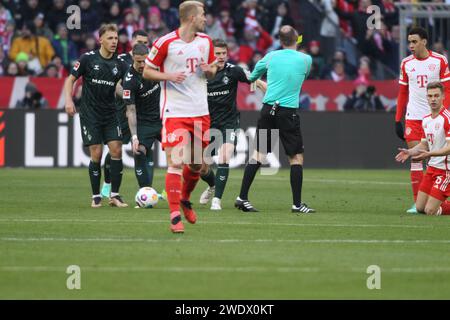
35, 42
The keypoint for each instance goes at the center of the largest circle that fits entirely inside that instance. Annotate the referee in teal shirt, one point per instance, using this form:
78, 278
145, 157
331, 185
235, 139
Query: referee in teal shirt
286, 70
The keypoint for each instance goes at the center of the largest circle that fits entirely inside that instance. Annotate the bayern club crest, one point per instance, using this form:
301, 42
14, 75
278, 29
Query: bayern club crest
408, 131
171, 137
432, 67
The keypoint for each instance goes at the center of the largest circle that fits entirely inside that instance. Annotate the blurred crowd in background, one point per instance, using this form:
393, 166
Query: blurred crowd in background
35, 40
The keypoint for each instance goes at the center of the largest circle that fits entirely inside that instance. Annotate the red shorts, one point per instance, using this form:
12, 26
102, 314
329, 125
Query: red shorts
436, 183
413, 130
185, 130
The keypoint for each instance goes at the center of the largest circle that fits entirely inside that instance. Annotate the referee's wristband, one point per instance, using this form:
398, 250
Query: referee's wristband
134, 137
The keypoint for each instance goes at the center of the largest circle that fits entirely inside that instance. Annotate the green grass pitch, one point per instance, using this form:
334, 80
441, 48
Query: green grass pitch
46, 225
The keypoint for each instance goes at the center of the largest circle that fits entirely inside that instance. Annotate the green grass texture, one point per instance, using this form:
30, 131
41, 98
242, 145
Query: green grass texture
47, 225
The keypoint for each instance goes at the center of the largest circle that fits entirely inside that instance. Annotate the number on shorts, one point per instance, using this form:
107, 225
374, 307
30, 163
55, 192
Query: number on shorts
438, 182
232, 136
119, 131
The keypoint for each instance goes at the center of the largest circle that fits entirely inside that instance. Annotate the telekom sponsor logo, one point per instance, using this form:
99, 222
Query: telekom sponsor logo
192, 64
422, 80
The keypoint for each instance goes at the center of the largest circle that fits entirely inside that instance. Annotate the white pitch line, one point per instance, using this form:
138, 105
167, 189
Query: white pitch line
394, 183
418, 270
221, 269
406, 269
159, 269
340, 181
180, 240
131, 221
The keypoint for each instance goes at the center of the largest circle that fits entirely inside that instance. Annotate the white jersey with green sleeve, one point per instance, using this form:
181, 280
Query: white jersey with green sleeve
286, 70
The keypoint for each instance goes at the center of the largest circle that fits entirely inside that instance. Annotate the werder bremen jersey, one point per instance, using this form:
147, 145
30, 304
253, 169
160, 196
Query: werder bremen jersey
144, 94
127, 60
100, 77
222, 92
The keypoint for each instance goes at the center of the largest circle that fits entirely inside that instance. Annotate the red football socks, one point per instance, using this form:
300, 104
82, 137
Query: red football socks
190, 181
445, 206
416, 177
173, 189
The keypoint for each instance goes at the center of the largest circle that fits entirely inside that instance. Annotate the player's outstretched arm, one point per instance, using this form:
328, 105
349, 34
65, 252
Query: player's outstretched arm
404, 154
155, 75
68, 90
260, 68
423, 154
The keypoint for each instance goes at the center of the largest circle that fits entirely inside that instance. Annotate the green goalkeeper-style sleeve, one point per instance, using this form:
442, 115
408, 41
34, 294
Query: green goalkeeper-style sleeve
260, 67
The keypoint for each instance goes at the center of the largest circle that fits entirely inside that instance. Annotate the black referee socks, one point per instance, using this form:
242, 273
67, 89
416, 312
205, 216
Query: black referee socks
247, 179
296, 183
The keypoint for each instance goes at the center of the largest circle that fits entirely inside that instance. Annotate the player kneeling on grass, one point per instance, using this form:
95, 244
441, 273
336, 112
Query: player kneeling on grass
435, 145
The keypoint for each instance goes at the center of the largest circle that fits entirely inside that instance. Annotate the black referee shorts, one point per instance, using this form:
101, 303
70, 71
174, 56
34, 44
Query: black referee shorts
287, 121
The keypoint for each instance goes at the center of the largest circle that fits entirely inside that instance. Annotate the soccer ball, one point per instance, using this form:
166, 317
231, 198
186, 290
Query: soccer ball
146, 197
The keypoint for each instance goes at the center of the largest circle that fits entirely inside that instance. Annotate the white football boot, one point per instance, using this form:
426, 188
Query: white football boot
215, 204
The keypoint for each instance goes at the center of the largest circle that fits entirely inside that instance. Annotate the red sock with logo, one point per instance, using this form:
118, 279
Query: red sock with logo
190, 181
173, 189
445, 206
416, 177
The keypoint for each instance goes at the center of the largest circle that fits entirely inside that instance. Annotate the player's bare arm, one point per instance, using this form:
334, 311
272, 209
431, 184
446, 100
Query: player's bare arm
132, 123
404, 154
68, 89
261, 85
156, 75
119, 89
209, 70
423, 154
